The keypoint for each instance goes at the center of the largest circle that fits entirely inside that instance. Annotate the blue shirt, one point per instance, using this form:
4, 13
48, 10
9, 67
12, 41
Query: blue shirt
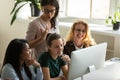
8, 72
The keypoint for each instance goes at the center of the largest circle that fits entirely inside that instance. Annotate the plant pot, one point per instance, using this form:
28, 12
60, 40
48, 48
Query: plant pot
35, 11
116, 26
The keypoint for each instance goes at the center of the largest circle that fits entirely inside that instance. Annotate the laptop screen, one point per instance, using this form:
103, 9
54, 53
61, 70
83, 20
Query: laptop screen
81, 60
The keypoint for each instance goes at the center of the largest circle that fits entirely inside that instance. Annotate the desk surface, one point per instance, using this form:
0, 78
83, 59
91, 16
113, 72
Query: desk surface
111, 72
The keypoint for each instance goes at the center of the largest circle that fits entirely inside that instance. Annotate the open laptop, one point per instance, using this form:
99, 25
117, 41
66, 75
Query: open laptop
87, 59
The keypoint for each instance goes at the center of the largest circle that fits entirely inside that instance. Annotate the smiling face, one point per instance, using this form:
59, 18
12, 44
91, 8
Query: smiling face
79, 33
26, 53
56, 47
48, 11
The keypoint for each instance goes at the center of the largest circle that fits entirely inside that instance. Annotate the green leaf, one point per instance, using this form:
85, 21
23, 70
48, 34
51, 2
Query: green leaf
14, 11
107, 21
15, 7
36, 3
113, 21
109, 17
15, 14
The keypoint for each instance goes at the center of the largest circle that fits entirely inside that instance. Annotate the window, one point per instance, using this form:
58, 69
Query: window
63, 6
93, 11
100, 9
88, 8
78, 8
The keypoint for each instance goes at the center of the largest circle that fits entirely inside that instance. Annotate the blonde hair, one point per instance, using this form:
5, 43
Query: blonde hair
87, 40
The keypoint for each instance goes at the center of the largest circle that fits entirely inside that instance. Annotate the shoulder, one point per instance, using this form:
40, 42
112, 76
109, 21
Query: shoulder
44, 57
34, 22
69, 47
69, 43
8, 72
44, 54
7, 67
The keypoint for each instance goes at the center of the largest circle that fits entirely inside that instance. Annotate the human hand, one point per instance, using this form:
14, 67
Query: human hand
32, 62
65, 58
62, 77
44, 34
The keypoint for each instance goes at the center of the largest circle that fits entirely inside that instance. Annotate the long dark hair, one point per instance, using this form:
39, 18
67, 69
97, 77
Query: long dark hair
53, 3
12, 56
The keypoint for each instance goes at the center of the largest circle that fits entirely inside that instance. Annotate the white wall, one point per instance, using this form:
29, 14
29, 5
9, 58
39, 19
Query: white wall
7, 32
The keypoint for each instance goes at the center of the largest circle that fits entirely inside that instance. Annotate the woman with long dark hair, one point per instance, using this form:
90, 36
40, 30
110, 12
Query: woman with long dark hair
46, 23
18, 63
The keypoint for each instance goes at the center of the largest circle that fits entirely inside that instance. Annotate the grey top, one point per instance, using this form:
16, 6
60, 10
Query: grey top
8, 72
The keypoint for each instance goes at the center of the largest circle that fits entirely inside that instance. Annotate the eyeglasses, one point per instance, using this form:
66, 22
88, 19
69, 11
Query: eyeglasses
80, 30
46, 11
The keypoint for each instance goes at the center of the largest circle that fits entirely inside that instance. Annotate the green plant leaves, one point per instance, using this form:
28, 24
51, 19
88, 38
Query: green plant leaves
115, 18
15, 10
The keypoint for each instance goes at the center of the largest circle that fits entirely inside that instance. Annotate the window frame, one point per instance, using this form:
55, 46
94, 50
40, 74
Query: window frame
66, 18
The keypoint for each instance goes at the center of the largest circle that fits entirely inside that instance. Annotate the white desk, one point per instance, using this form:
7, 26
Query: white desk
111, 72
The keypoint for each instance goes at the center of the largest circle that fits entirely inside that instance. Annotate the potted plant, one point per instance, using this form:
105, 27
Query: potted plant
35, 11
115, 20
35, 3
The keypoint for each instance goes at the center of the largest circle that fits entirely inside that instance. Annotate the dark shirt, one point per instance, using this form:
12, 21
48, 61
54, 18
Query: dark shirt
54, 65
69, 47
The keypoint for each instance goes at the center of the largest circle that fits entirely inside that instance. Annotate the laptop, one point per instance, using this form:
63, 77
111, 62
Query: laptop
87, 59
